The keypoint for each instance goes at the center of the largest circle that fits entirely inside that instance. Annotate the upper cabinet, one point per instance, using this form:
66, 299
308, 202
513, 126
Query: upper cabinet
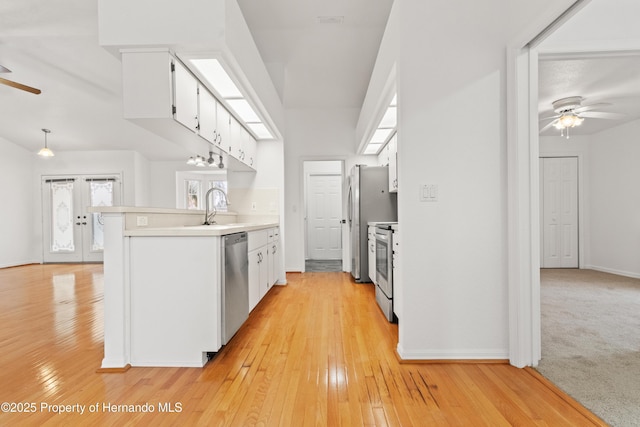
249, 146
207, 116
157, 87
223, 123
185, 96
234, 144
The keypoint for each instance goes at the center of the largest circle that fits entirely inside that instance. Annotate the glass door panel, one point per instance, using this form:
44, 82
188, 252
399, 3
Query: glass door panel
70, 233
62, 209
100, 192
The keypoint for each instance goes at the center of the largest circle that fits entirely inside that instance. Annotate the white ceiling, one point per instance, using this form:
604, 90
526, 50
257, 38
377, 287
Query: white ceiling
316, 65
53, 45
596, 55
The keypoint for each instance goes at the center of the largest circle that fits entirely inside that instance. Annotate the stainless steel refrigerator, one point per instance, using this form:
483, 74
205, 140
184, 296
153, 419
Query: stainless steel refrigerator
369, 200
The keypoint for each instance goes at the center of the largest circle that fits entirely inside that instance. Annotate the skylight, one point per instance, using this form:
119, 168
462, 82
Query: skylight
218, 79
384, 130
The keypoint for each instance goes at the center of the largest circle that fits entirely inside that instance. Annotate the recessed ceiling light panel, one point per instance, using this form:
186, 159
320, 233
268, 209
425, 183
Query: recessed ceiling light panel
215, 74
244, 110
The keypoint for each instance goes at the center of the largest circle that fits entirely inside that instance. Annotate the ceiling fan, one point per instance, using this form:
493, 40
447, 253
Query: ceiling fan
16, 84
571, 113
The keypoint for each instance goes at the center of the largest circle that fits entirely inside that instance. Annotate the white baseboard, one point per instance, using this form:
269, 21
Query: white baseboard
614, 271
453, 354
19, 263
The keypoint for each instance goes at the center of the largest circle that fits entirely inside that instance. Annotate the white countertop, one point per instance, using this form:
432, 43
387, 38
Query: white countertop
200, 230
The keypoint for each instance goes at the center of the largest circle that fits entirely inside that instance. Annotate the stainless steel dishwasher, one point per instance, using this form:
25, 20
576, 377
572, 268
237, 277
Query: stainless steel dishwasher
235, 284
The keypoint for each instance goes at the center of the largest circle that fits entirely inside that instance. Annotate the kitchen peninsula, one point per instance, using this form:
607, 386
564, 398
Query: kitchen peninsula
162, 282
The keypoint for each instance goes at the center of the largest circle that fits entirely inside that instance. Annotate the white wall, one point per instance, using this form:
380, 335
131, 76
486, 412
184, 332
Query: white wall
162, 175
609, 205
614, 207
21, 226
313, 134
142, 187
17, 211
452, 133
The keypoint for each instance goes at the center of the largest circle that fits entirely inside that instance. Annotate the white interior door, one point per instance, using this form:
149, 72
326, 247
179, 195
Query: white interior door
70, 233
559, 212
324, 213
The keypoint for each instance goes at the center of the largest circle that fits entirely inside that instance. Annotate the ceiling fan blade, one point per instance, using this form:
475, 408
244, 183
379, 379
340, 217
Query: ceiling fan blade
591, 107
550, 118
603, 115
547, 126
20, 86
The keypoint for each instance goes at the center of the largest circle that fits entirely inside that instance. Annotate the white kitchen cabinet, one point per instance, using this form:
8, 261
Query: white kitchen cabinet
185, 96
235, 139
393, 163
372, 252
207, 113
258, 246
257, 271
223, 123
150, 92
161, 95
273, 256
241, 145
249, 146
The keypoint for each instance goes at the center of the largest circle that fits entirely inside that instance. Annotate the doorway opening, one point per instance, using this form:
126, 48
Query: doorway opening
323, 184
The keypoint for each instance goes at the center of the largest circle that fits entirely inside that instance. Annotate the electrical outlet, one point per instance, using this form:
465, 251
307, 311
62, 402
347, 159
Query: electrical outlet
142, 221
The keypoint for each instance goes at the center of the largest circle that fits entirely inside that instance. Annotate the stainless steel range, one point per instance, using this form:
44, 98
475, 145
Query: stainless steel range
384, 268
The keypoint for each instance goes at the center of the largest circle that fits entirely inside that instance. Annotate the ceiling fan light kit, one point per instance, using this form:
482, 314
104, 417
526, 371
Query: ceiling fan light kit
566, 107
571, 113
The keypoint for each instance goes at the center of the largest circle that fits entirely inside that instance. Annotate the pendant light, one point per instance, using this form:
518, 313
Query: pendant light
45, 152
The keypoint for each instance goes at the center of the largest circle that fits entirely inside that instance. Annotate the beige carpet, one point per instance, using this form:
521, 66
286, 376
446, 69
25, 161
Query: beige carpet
591, 340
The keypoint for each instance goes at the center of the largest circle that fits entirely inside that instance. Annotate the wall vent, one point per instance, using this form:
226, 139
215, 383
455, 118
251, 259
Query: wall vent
330, 20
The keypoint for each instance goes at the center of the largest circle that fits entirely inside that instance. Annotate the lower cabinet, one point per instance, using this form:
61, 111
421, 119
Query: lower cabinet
258, 275
273, 256
264, 259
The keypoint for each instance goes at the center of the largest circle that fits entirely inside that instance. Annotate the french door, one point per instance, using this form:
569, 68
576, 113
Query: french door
70, 233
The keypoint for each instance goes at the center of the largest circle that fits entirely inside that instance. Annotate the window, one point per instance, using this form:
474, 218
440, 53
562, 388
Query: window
192, 186
192, 194
219, 202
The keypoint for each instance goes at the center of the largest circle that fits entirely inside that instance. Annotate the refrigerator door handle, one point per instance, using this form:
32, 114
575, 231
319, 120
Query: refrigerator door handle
349, 206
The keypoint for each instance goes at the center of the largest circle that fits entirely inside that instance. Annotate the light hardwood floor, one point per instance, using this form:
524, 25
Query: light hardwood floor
315, 352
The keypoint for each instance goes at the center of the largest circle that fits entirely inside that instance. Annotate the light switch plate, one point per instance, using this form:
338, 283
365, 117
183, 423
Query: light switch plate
428, 192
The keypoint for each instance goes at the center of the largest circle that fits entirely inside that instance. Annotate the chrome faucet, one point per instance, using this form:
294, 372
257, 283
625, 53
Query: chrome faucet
207, 220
